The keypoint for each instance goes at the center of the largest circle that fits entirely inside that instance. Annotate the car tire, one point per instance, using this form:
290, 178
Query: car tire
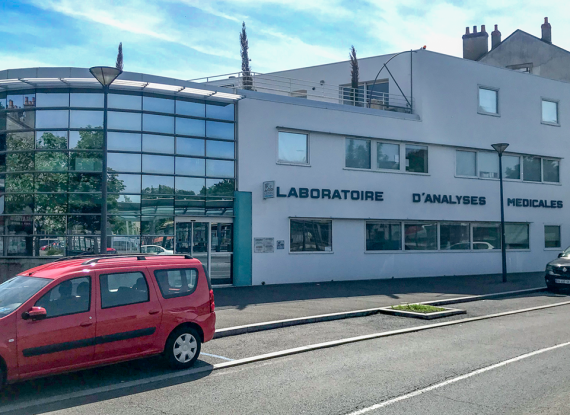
2, 378
552, 288
182, 348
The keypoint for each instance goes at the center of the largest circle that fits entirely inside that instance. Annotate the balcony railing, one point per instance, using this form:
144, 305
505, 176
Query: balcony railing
297, 88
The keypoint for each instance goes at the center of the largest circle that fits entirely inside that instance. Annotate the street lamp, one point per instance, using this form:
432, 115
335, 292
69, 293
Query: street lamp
105, 75
500, 149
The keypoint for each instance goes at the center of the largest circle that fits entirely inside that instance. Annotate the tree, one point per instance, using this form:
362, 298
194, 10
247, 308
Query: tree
119, 64
245, 68
353, 73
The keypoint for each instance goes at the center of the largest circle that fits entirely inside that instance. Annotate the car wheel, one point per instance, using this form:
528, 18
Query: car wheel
2, 378
552, 288
182, 348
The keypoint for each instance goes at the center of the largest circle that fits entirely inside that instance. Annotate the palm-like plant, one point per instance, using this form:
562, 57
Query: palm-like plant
353, 74
119, 64
245, 68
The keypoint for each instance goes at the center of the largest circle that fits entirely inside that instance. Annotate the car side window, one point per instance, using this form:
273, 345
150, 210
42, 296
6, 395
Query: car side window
123, 289
176, 282
68, 297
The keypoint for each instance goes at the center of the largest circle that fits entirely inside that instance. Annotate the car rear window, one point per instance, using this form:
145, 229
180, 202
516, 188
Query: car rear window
176, 282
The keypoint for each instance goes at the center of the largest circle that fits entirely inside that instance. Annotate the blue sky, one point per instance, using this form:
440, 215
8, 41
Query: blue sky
190, 38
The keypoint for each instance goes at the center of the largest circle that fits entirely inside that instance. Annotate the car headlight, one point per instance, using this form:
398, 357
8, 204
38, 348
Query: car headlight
550, 270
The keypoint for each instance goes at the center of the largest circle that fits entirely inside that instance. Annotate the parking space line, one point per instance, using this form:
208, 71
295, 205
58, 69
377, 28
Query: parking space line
216, 356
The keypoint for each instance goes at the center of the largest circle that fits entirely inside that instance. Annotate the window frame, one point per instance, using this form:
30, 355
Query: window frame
482, 111
116, 273
311, 252
383, 222
554, 101
308, 147
553, 248
180, 294
58, 283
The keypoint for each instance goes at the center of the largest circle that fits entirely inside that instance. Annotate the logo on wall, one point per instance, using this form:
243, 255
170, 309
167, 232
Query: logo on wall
268, 189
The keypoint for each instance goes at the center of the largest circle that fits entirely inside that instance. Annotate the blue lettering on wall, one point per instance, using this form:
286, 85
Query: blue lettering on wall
305, 193
449, 199
535, 203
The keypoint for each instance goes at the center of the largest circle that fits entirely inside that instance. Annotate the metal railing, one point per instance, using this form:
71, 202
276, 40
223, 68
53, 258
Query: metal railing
318, 91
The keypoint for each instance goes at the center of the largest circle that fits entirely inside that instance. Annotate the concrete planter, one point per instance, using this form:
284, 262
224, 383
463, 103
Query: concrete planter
424, 316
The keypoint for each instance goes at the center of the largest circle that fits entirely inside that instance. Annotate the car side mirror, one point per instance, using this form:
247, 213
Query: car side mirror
35, 313
561, 254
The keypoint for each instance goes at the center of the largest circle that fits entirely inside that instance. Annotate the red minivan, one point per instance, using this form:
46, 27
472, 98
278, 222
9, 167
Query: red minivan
82, 312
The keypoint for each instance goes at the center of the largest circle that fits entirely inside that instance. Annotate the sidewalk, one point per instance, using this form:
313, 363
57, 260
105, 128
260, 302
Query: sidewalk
236, 306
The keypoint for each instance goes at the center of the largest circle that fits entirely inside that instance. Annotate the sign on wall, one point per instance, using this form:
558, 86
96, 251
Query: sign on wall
280, 244
306, 193
535, 203
263, 245
268, 189
449, 199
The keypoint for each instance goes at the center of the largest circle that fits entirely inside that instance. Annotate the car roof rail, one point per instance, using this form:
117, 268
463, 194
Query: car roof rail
94, 258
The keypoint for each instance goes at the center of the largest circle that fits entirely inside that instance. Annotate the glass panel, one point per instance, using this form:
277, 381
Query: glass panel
550, 112
157, 225
90, 203
82, 245
383, 236
51, 161
19, 120
124, 162
195, 109
85, 182
200, 241
189, 126
466, 163
158, 123
221, 237
51, 182
85, 100
191, 186
221, 112
20, 162
52, 119
531, 169
21, 100
157, 243
223, 130
551, 170
86, 161
488, 165
357, 153
52, 100
51, 203
2, 142
86, 140
125, 244
19, 204
454, 236
124, 204
219, 207
86, 119
512, 167
86, 224
417, 159
190, 166
516, 235
125, 225
51, 139
122, 289
388, 156
219, 168
190, 146
420, 236
19, 246
488, 100
158, 104
49, 225
20, 141
124, 141
49, 246
220, 187
220, 149
486, 236
191, 205
16, 183
183, 238
3, 162
124, 121
19, 225
157, 205
293, 148
127, 102
2, 100
158, 164
68, 297
157, 184
158, 144
311, 235
176, 282
124, 183
552, 236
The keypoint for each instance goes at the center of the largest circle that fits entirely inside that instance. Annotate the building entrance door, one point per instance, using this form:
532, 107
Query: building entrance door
211, 241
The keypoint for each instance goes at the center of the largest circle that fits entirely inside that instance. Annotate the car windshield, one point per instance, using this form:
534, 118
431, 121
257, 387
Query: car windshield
18, 290
566, 252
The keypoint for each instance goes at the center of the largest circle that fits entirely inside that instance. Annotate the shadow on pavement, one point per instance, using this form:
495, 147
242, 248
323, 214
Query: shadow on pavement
25, 393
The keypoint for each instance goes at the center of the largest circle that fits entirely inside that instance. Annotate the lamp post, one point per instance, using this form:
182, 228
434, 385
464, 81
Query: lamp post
500, 149
106, 76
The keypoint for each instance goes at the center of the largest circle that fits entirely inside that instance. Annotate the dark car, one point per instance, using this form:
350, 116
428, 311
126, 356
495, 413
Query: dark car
558, 272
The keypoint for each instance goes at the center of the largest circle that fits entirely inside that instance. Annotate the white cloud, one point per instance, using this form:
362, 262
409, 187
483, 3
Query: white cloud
18, 62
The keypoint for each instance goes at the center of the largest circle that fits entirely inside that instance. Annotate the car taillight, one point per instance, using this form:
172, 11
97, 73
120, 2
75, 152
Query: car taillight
212, 304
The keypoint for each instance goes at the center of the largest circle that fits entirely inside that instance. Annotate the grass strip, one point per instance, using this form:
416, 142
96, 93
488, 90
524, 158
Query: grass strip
418, 308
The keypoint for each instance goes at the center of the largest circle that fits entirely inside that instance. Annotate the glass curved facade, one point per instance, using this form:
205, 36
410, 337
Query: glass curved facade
167, 156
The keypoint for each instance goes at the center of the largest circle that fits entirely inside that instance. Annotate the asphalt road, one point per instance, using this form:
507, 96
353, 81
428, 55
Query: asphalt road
353, 377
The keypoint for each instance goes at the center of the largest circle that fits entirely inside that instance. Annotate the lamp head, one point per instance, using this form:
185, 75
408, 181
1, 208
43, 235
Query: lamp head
500, 147
105, 74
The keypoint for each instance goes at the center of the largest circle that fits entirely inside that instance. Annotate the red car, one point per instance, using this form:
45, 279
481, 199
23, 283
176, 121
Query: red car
82, 312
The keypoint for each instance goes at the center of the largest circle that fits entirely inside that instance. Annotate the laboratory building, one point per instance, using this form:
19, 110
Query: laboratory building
297, 176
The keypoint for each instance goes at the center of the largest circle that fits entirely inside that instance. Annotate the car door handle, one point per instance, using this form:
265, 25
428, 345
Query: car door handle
154, 311
86, 323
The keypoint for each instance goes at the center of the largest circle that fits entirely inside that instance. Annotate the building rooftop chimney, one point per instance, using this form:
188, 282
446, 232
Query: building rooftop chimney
546, 31
495, 38
475, 44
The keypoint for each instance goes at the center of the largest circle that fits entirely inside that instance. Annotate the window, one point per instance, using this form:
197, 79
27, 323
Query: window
190, 166
221, 112
516, 236
421, 236
158, 123
52, 119
190, 126
488, 165
176, 282
310, 235
416, 159
158, 164
552, 236
158, 144
549, 112
388, 156
383, 236
190, 146
68, 297
124, 162
511, 167
195, 109
454, 236
158, 104
222, 130
219, 168
123, 121
123, 289
551, 172
293, 148
357, 153
128, 102
531, 169
488, 101
124, 141
220, 149
486, 236
466, 163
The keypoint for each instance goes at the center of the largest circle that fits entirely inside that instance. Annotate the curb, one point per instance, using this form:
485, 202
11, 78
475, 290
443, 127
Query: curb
271, 325
448, 312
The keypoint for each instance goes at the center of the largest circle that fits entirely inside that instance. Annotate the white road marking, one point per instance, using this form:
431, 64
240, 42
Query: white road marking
457, 379
217, 357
